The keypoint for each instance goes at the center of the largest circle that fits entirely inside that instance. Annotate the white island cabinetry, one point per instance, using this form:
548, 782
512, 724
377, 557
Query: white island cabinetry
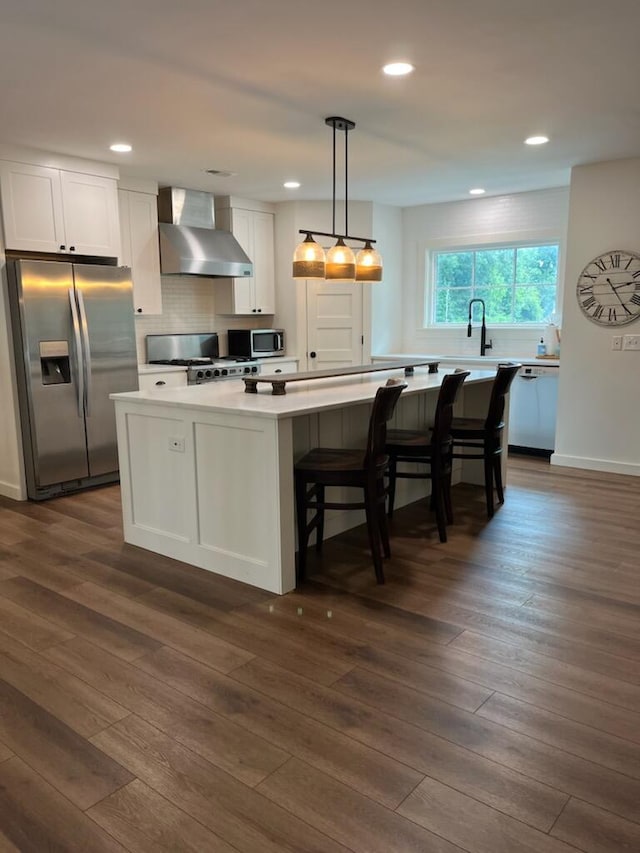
56, 210
252, 224
207, 471
269, 366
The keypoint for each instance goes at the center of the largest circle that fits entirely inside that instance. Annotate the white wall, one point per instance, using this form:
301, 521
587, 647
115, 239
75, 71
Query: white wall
599, 394
538, 215
386, 295
12, 476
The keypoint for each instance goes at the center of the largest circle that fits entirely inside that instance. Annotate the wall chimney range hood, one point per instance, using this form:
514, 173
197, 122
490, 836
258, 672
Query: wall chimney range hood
190, 243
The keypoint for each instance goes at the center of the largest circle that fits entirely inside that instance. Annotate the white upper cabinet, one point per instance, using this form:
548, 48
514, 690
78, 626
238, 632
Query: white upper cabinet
53, 210
140, 251
252, 224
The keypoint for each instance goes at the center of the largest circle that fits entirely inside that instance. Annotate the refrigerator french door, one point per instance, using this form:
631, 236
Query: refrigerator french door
74, 339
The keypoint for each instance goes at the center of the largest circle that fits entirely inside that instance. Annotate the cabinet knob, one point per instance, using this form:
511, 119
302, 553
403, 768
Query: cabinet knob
279, 370
139, 310
259, 310
62, 248
253, 310
161, 382
72, 248
312, 354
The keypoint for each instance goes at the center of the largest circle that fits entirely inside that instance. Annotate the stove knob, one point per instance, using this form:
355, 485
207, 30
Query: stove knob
216, 372
225, 371
199, 374
207, 373
246, 370
254, 369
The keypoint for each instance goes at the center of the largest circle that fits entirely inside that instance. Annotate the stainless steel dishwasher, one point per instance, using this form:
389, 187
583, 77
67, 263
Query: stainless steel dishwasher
532, 409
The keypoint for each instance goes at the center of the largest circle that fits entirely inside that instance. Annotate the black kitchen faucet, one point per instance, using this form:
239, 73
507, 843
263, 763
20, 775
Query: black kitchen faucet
484, 346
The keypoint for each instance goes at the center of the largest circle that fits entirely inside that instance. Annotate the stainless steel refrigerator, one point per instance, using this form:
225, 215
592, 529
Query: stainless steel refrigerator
74, 338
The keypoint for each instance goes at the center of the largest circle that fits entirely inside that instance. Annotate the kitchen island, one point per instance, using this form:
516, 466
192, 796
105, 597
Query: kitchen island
207, 470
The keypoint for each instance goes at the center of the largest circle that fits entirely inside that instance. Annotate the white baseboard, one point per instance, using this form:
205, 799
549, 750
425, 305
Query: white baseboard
10, 490
608, 466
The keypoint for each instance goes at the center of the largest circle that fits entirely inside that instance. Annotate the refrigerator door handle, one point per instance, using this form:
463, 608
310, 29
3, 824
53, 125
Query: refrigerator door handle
86, 353
78, 347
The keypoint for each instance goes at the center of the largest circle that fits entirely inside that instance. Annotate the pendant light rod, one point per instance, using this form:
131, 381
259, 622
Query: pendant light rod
333, 234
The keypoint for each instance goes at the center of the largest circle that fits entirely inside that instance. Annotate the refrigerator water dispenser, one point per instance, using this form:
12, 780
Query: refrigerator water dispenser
54, 362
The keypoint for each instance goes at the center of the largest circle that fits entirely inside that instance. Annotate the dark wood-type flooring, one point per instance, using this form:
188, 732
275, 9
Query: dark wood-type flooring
486, 699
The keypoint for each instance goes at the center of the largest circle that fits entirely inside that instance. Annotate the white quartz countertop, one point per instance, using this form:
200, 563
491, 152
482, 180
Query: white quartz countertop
471, 360
161, 368
302, 397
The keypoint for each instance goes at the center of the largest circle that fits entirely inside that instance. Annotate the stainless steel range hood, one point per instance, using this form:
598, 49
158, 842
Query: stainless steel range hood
190, 243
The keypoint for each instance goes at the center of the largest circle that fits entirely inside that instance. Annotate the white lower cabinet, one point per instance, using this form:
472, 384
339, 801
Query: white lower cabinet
267, 368
162, 379
140, 250
55, 210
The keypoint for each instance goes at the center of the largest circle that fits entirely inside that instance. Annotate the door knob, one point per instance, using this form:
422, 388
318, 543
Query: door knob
312, 354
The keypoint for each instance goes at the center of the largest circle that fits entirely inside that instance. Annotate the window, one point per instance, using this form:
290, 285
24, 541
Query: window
518, 283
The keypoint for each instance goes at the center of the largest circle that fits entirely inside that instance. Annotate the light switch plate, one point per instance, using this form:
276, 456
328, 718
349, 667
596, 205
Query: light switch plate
631, 342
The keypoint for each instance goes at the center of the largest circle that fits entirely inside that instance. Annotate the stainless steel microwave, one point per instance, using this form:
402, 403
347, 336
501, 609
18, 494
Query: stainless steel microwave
255, 343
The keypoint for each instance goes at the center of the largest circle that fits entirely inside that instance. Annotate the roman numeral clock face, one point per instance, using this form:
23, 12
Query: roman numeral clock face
609, 288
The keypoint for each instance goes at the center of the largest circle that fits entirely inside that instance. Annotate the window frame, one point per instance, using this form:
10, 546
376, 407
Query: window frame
473, 244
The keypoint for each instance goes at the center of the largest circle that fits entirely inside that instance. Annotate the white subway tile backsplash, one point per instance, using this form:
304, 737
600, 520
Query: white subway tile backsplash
188, 305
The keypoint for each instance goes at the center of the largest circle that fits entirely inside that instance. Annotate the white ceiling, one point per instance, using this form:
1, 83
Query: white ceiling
245, 85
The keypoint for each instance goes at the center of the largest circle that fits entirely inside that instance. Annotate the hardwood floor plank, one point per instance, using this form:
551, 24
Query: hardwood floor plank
111, 634
345, 815
36, 818
556, 730
548, 669
290, 655
143, 821
243, 817
371, 651
617, 617
52, 576
228, 746
214, 590
595, 830
379, 777
161, 628
66, 760
66, 697
28, 628
565, 772
483, 830
496, 785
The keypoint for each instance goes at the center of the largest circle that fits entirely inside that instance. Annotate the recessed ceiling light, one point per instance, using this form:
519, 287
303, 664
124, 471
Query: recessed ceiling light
536, 140
398, 69
121, 147
477, 191
291, 185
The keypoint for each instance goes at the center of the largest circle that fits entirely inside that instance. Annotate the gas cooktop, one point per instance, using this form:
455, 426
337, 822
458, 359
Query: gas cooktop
200, 355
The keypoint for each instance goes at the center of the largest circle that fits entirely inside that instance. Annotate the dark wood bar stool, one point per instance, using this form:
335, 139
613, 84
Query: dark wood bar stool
431, 447
362, 469
477, 438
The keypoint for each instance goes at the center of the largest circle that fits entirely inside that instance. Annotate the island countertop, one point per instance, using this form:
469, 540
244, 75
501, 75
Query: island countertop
302, 398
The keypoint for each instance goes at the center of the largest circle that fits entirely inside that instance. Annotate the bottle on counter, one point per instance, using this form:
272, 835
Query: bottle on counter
542, 347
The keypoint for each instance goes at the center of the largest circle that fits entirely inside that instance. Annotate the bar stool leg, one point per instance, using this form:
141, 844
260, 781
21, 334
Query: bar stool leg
393, 467
488, 481
301, 513
373, 530
497, 470
320, 527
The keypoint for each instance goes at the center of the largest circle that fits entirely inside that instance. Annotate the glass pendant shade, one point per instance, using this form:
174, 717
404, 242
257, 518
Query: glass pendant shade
368, 264
309, 260
341, 263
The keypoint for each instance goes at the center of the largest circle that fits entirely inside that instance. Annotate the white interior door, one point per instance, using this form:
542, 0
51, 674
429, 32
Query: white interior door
334, 324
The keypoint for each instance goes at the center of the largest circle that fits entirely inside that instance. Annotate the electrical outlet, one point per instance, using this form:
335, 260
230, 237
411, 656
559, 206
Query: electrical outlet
631, 342
616, 342
176, 443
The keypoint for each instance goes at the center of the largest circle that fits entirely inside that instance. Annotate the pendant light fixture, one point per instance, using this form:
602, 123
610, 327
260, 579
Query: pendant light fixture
340, 263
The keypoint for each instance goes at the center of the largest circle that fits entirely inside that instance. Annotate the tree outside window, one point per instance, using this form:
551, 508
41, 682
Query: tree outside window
517, 283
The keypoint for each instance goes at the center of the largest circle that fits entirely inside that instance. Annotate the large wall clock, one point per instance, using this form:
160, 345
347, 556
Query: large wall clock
609, 288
